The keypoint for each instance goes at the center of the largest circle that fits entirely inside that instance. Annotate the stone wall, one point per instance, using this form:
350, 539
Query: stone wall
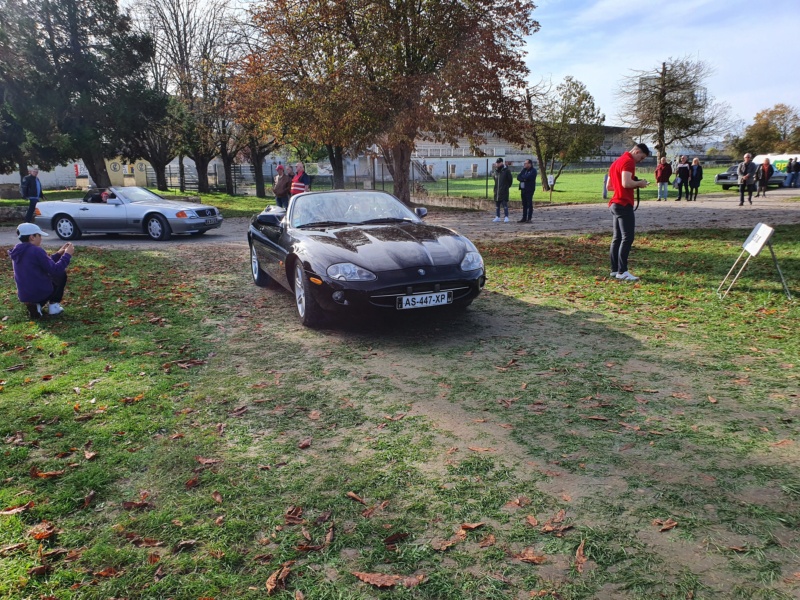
12, 214
9, 191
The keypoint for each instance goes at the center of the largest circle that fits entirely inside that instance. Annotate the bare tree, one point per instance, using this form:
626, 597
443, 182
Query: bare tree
671, 103
194, 42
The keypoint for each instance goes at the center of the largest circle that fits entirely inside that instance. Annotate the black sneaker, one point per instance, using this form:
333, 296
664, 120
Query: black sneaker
34, 310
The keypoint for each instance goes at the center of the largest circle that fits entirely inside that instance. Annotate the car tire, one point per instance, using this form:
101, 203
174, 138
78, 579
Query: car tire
260, 278
308, 310
66, 228
726, 187
157, 228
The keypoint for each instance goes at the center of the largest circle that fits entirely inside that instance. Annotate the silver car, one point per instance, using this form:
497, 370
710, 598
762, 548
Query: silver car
125, 210
730, 178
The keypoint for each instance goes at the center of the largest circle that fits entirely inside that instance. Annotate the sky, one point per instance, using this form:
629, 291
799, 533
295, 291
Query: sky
600, 42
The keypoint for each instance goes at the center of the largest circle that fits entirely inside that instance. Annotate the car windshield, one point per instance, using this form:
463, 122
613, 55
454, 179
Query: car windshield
136, 194
348, 208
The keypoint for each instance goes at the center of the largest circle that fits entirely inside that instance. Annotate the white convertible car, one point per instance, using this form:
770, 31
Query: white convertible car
125, 210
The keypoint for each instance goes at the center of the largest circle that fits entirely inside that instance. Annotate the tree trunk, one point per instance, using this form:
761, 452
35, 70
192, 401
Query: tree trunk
227, 166
181, 174
161, 177
336, 156
258, 170
398, 161
96, 165
201, 163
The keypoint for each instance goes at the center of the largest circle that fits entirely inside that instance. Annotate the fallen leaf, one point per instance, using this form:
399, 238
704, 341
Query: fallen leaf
217, 497
712, 399
193, 482
305, 443
136, 505
442, 545
277, 580
518, 502
665, 525
529, 555
782, 443
89, 455
580, 559
39, 571
356, 497
10, 548
107, 572
488, 541
479, 449
293, 515
37, 474
314, 415
207, 461
380, 580
532, 521
42, 531
184, 545
15, 510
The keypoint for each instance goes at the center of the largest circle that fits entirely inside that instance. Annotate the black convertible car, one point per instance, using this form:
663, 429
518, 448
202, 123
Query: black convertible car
349, 250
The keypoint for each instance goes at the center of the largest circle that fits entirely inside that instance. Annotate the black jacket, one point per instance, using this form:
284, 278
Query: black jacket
28, 187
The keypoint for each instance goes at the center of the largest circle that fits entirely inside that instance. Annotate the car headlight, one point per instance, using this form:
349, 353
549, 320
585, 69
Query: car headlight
472, 261
186, 214
349, 272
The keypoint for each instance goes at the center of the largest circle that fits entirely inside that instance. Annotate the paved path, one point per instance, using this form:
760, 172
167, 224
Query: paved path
718, 210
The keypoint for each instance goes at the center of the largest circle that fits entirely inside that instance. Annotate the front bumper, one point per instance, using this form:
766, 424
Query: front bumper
194, 225
382, 294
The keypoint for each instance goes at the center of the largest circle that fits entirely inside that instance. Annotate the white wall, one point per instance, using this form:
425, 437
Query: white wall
57, 179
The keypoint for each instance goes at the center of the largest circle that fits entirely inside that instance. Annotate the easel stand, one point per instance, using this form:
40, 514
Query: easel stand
755, 242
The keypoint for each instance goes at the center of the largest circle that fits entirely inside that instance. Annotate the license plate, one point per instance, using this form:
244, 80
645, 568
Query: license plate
424, 300
211, 221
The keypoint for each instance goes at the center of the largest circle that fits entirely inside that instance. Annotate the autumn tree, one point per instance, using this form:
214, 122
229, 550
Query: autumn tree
774, 130
394, 72
671, 103
564, 126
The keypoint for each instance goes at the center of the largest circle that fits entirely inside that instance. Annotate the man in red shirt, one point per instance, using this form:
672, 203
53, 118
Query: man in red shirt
622, 180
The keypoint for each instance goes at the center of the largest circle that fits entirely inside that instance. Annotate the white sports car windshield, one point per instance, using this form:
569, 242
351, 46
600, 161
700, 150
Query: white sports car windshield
134, 194
348, 208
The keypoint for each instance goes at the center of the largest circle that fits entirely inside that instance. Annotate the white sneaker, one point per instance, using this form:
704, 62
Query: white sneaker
613, 274
505, 220
55, 308
627, 276
496, 220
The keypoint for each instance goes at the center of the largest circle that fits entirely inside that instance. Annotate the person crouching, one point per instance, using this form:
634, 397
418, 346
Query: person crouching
40, 279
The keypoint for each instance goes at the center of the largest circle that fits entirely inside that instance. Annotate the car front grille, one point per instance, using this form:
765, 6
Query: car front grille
206, 212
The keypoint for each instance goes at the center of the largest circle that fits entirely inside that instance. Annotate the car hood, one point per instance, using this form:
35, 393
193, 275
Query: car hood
172, 204
392, 247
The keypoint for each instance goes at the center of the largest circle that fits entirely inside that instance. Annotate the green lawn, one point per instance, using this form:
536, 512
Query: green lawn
176, 433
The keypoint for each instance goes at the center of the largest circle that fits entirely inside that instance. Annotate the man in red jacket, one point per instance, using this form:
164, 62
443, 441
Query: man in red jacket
663, 173
622, 180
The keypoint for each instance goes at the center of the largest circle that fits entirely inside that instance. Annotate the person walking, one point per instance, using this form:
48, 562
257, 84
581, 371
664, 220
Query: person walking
40, 279
527, 186
622, 180
763, 174
31, 188
695, 177
663, 173
502, 184
682, 171
747, 178
282, 188
795, 172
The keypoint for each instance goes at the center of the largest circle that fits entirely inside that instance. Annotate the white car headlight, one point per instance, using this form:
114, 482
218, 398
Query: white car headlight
349, 272
472, 261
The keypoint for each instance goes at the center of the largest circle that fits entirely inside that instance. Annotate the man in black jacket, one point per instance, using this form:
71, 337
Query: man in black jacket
527, 185
31, 188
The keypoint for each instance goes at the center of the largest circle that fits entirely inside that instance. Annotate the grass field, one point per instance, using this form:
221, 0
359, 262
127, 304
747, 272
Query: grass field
176, 434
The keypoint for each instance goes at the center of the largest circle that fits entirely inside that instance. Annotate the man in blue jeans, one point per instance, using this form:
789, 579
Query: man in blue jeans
31, 188
622, 180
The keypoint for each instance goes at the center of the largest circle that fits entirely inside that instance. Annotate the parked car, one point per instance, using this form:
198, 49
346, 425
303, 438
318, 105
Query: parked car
125, 210
345, 251
730, 178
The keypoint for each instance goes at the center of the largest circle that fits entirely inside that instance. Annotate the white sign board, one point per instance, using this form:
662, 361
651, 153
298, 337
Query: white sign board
550, 180
758, 238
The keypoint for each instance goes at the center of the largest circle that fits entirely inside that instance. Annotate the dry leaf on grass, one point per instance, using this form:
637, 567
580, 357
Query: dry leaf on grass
42, 531
665, 525
529, 555
277, 581
306, 443
488, 541
356, 497
37, 474
207, 461
217, 497
532, 521
580, 559
15, 510
293, 515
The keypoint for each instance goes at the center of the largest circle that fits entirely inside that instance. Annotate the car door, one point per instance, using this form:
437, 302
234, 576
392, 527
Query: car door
271, 243
106, 217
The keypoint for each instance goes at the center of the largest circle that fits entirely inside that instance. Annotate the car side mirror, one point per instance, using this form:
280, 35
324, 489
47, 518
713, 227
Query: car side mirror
421, 211
113, 200
273, 219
